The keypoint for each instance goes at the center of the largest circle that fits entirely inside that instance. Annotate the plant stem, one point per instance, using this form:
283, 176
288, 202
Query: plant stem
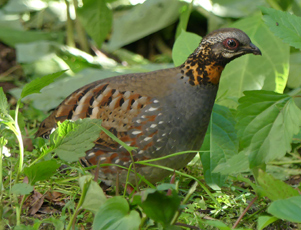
80, 31
69, 26
244, 212
186, 198
20, 141
81, 200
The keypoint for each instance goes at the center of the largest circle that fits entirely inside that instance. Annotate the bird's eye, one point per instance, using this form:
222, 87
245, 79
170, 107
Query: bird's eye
231, 43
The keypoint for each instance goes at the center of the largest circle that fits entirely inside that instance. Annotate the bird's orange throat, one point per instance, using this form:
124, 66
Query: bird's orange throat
202, 74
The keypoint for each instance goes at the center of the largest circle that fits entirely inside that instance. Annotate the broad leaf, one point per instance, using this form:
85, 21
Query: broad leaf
294, 79
273, 188
12, 37
287, 209
159, 206
96, 18
185, 44
41, 171
36, 85
3, 102
115, 214
220, 142
22, 6
236, 164
264, 221
284, 25
80, 139
250, 72
142, 20
95, 196
184, 18
234, 8
266, 123
22, 189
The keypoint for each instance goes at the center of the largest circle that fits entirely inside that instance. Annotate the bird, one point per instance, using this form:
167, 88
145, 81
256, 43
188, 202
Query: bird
160, 112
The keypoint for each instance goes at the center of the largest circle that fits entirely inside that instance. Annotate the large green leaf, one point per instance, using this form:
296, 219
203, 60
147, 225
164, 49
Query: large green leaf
115, 214
142, 20
287, 209
3, 102
159, 206
12, 37
95, 196
268, 72
284, 25
220, 144
273, 188
96, 18
41, 171
266, 123
185, 44
235, 8
72, 139
264, 221
21, 6
36, 85
294, 79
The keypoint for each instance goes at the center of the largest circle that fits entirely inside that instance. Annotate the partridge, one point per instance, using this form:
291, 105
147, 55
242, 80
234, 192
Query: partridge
160, 112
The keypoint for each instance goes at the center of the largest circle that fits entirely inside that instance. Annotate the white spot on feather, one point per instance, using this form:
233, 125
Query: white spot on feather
153, 126
152, 109
91, 154
147, 138
136, 132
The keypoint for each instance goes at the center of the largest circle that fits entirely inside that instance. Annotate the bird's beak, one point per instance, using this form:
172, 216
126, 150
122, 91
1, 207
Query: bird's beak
253, 49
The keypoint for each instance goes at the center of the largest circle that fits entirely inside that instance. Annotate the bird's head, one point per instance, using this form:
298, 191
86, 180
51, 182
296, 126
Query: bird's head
228, 44
218, 48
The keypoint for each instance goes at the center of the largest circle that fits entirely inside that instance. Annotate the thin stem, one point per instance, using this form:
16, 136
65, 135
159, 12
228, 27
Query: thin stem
244, 212
1, 150
20, 141
69, 26
81, 33
188, 195
81, 200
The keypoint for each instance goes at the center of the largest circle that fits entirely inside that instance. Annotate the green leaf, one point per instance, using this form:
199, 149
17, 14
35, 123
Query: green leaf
266, 123
273, 188
284, 25
184, 18
95, 196
79, 138
159, 206
36, 85
218, 224
287, 209
142, 20
115, 214
96, 18
235, 8
12, 37
185, 44
264, 221
21, 189
3, 102
220, 142
236, 164
22, 6
294, 80
41, 171
250, 72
